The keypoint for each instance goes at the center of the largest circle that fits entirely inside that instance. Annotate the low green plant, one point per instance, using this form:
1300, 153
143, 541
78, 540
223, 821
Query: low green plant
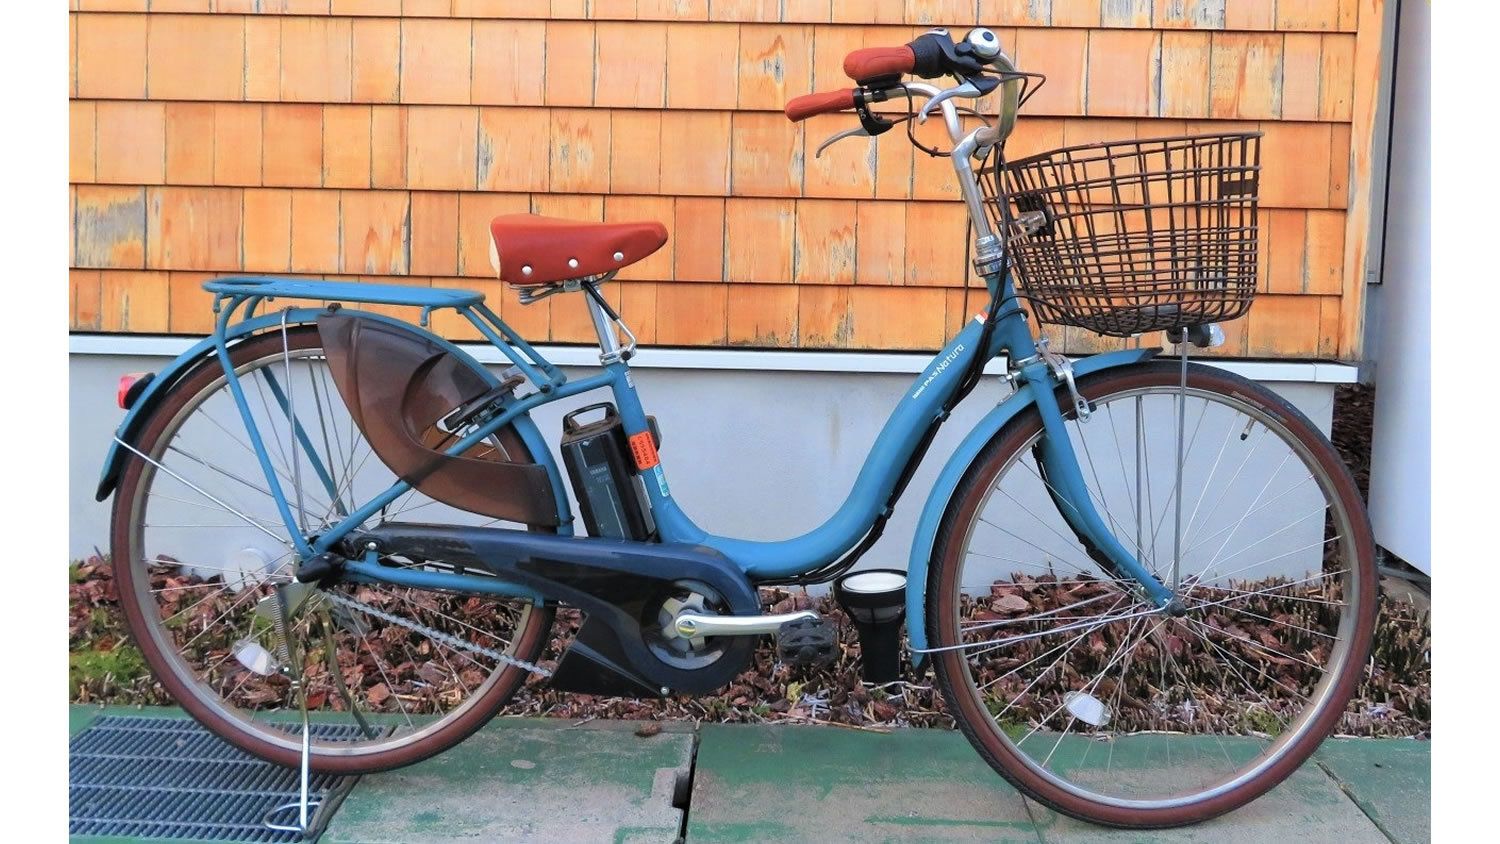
1262, 720
120, 665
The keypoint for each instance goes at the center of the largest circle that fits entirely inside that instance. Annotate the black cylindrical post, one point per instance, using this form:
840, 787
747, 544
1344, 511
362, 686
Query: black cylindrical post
875, 600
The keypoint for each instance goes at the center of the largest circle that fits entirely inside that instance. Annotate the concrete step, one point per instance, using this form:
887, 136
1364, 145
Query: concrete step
530, 779
824, 784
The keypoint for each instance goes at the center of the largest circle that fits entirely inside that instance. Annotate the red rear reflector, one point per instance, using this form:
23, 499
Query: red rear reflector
127, 381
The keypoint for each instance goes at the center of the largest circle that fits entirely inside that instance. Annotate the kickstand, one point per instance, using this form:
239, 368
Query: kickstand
338, 679
283, 645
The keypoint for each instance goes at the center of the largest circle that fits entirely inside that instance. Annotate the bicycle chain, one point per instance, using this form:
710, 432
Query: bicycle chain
436, 635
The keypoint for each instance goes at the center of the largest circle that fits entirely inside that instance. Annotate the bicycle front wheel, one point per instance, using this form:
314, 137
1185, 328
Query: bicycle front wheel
1089, 698
392, 674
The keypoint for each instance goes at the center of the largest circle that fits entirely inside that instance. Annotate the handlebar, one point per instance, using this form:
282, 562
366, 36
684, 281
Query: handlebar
879, 70
978, 65
874, 63
828, 102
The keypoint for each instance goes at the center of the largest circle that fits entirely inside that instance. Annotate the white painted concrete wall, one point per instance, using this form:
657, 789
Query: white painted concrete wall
1401, 454
760, 454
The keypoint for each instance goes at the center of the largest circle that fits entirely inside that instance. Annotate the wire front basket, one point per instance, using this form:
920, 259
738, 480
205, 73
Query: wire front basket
1128, 237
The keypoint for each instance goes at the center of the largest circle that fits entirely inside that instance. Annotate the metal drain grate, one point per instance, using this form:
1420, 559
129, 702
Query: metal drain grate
169, 778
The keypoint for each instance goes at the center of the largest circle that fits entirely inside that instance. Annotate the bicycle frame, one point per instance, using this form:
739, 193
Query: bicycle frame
924, 405
1003, 330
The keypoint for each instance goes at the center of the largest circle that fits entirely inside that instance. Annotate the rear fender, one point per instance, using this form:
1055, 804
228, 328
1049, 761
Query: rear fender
203, 354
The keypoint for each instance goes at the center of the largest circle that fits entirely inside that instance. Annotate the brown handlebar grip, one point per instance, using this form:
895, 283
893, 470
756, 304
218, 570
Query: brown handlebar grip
876, 62
807, 105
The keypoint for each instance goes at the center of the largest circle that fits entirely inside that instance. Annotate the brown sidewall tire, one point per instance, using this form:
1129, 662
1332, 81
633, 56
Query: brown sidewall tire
530, 641
973, 717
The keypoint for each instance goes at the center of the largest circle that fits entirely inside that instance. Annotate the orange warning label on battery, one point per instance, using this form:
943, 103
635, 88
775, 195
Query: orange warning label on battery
644, 450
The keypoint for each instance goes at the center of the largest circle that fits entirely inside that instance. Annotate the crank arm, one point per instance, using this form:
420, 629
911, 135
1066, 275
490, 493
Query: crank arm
693, 626
854, 132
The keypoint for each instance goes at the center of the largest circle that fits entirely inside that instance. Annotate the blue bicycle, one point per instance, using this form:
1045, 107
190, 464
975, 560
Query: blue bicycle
1146, 586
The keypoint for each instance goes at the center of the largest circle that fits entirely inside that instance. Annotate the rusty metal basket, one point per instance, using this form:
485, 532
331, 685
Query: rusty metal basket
1128, 237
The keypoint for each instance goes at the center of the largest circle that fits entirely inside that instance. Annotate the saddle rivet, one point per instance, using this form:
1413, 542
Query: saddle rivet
526, 271
573, 263
619, 256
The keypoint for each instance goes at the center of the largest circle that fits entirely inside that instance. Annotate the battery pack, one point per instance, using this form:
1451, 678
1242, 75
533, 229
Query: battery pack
609, 490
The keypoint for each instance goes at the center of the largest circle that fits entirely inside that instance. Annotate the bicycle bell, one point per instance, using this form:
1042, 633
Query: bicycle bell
983, 42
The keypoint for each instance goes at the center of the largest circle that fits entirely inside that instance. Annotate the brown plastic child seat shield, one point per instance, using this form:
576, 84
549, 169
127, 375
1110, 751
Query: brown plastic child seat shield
397, 385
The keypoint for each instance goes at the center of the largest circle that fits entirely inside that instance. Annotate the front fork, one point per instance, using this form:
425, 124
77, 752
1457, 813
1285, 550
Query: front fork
1063, 478
1032, 363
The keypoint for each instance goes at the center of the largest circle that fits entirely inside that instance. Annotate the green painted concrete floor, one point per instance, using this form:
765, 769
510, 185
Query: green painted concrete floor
528, 779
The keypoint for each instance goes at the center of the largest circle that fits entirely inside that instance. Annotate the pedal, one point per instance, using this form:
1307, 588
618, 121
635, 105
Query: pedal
807, 642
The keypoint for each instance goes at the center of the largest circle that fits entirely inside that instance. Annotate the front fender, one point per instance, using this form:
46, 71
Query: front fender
953, 472
135, 419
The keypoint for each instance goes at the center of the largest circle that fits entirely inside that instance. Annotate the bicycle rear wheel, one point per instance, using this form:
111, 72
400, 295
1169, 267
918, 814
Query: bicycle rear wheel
198, 547
1086, 696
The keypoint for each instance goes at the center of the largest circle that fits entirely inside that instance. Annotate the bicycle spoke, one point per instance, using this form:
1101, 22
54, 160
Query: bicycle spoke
389, 684
206, 567
221, 471
440, 614
275, 431
1241, 521
1114, 432
1040, 676
1271, 535
1262, 647
1145, 461
1242, 594
1212, 471
1230, 656
336, 503
1238, 471
1290, 553
1199, 544
238, 602
1110, 664
1033, 618
1187, 686
1025, 636
281, 470
1140, 552
1104, 620
263, 520
1167, 505
1299, 628
1074, 566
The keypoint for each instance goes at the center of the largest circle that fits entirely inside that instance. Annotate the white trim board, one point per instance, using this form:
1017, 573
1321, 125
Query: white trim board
149, 345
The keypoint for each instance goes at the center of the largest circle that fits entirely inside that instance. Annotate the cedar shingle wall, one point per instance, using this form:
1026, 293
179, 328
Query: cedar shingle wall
374, 139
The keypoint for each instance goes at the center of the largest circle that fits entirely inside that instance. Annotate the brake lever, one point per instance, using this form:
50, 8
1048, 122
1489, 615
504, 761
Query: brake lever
853, 132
